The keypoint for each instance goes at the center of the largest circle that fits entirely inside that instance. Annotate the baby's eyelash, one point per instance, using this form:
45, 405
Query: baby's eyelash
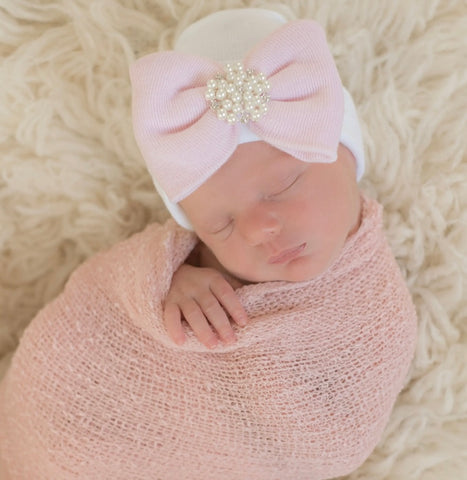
289, 185
220, 230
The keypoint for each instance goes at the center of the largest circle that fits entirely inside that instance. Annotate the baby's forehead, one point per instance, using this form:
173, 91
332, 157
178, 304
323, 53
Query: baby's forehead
254, 169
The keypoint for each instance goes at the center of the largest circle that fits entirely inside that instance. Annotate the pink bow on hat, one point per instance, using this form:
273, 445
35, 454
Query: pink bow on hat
187, 111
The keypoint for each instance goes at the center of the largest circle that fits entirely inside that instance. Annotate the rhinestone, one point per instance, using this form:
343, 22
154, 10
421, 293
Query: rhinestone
210, 95
258, 89
238, 94
227, 104
249, 106
231, 118
236, 97
221, 93
245, 117
221, 114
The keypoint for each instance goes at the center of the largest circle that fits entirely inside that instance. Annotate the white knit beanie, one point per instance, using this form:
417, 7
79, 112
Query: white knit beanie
227, 36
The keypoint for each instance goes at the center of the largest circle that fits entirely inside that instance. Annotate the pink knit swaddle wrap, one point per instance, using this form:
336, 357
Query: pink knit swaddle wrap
97, 390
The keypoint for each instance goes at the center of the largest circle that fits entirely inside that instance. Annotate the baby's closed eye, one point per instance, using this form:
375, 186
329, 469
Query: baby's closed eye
284, 186
223, 229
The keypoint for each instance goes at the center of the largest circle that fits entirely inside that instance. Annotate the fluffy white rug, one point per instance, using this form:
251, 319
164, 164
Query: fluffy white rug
72, 181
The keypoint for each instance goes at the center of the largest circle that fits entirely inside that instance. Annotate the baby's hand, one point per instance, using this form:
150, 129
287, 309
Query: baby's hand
204, 298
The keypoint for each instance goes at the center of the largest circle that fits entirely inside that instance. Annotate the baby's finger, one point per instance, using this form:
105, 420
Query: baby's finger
173, 323
230, 301
217, 317
199, 324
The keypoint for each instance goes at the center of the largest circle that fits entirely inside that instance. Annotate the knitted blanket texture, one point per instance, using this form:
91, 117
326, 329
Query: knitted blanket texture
97, 390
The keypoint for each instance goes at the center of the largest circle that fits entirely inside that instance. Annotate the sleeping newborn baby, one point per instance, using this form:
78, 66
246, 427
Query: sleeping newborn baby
262, 333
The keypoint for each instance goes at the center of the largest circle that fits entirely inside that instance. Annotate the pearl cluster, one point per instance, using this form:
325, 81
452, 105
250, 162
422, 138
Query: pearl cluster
238, 95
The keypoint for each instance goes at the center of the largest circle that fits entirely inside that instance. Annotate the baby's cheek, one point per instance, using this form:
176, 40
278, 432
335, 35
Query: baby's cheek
229, 255
239, 262
301, 212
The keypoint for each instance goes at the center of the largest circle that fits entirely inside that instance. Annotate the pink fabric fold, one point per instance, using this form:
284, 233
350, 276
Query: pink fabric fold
96, 389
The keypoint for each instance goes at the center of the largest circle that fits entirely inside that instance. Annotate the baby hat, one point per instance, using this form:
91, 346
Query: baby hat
233, 77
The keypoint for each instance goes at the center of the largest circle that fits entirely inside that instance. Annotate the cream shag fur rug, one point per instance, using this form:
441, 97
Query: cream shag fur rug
72, 181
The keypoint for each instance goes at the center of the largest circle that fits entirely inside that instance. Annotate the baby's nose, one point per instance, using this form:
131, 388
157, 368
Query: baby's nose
259, 225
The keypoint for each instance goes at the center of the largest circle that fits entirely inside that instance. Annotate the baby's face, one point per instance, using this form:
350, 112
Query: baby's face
268, 216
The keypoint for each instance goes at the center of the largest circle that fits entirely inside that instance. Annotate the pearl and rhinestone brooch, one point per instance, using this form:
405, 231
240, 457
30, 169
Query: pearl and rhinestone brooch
238, 95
